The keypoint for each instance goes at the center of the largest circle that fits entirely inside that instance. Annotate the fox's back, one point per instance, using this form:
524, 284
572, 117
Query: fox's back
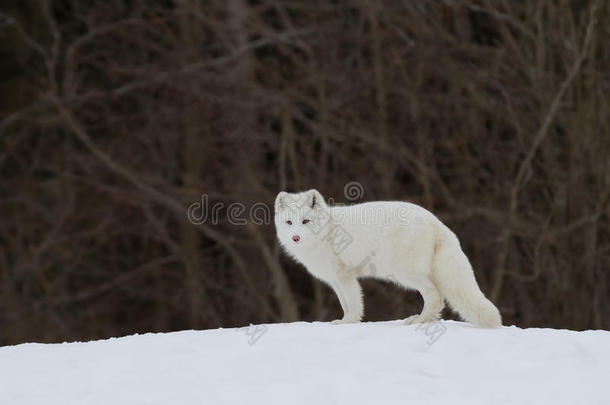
382, 214
387, 230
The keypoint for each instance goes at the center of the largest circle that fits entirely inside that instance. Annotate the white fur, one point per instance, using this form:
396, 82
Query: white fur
391, 240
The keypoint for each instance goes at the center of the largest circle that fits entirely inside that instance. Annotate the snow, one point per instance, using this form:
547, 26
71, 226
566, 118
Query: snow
316, 363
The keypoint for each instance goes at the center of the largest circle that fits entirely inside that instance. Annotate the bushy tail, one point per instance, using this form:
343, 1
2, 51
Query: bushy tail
453, 276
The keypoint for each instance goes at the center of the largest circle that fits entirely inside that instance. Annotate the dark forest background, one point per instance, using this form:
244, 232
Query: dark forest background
117, 115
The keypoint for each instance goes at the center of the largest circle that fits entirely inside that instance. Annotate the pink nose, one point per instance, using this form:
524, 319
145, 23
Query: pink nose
296, 238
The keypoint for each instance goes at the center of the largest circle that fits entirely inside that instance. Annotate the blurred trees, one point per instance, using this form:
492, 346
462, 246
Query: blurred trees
117, 115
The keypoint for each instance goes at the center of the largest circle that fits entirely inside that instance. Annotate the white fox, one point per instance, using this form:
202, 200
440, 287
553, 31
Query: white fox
391, 240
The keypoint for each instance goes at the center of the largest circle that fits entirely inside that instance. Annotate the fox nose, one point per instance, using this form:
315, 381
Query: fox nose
296, 238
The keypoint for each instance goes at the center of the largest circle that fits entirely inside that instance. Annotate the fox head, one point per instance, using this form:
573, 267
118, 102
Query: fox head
300, 218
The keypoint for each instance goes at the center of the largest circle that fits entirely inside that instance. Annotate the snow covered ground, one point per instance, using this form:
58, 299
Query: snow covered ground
316, 363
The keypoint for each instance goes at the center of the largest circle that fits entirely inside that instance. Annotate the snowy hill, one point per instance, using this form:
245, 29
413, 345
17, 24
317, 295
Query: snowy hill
316, 363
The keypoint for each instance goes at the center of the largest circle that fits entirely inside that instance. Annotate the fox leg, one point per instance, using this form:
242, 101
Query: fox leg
433, 302
348, 291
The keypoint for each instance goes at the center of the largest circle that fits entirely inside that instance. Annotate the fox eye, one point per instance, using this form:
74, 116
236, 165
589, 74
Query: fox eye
305, 221
289, 222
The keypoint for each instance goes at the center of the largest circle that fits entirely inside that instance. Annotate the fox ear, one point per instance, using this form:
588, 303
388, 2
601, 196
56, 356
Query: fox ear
315, 199
280, 200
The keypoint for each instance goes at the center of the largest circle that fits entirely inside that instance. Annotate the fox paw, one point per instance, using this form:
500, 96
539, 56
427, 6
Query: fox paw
415, 319
344, 320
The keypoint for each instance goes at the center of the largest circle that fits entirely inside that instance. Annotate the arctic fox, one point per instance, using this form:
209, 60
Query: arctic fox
391, 240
